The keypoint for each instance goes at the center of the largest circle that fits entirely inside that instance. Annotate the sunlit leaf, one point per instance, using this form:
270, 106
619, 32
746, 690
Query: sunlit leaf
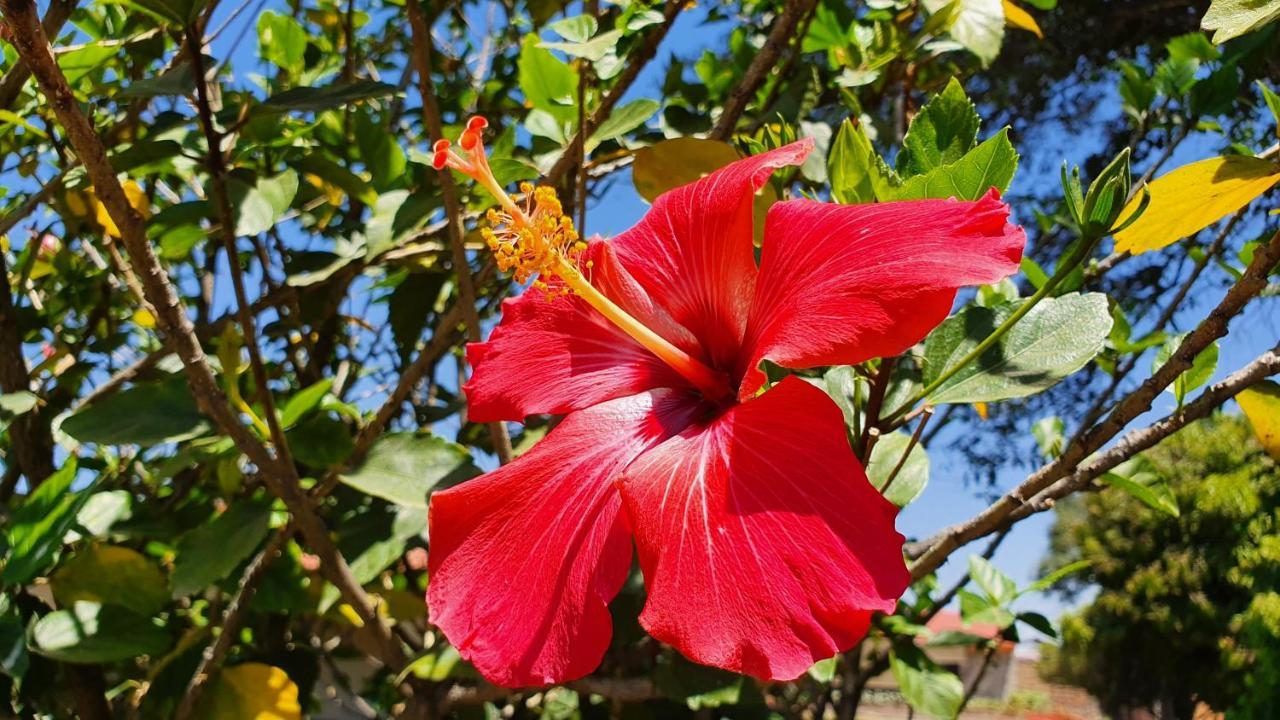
211, 551
911, 478
1261, 404
404, 467
1017, 17
927, 687
1193, 197
88, 632
978, 25
1055, 339
252, 691
111, 575
1233, 18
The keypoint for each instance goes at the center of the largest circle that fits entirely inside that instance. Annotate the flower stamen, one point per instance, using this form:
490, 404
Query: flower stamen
534, 239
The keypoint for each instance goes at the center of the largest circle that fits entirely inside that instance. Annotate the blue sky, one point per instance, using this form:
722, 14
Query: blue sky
948, 498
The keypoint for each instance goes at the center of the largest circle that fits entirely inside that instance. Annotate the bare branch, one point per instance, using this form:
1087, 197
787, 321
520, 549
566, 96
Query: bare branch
421, 56
782, 33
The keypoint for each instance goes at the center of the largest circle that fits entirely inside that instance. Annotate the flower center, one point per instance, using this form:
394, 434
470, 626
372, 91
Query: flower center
534, 240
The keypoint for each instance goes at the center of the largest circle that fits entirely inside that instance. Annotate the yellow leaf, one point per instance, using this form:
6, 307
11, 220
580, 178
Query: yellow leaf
671, 163
253, 691
144, 319
113, 575
1015, 16
1261, 404
137, 198
1193, 197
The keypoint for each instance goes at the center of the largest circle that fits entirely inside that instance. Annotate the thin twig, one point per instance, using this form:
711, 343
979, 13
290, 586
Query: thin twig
761, 65
421, 55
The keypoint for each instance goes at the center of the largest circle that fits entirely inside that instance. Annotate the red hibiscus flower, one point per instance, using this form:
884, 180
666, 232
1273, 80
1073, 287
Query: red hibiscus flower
762, 544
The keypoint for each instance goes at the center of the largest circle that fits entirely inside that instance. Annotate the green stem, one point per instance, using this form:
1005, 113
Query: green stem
1082, 251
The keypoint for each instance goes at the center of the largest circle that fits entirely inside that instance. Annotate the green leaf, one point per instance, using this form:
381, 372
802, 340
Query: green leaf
438, 664
941, 133
548, 83
14, 404
13, 642
978, 25
975, 608
91, 633
927, 688
320, 441
593, 50
282, 41
101, 511
328, 97
910, 480
1056, 576
177, 81
624, 120
403, 468
1273, 103
373, 539
37, 528
857, 172
146, 414
991, 164
380, 151
1201, 370
1055, 339
841, 384
1050, 435
998, 586
1039, 622
76, 64
211, 551
578, 28
304, 402
1233, 18
111, 575
1140, 477
260, 207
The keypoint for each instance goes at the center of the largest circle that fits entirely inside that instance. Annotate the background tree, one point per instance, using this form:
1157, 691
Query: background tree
1183, 610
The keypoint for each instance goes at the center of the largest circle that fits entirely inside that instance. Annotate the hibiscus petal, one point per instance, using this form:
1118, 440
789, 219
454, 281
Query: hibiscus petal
557, 354
524, 560
693, 250
840, 284
764, 547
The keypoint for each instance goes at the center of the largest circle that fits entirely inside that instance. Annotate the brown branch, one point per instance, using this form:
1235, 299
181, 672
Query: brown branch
933, 552
13, 80
784, 29
33, 46
1136, 441
421, 52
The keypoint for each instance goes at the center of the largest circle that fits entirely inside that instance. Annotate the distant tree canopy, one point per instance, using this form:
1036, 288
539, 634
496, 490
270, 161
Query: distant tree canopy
1188, 607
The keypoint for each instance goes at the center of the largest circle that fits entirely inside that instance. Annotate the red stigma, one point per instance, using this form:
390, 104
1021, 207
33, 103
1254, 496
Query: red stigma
440, 146
477, 123
440, 160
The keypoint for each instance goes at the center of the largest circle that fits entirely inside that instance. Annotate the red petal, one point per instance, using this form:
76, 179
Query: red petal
524, 560
764, 548
840, 284
558, 354
693, 250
